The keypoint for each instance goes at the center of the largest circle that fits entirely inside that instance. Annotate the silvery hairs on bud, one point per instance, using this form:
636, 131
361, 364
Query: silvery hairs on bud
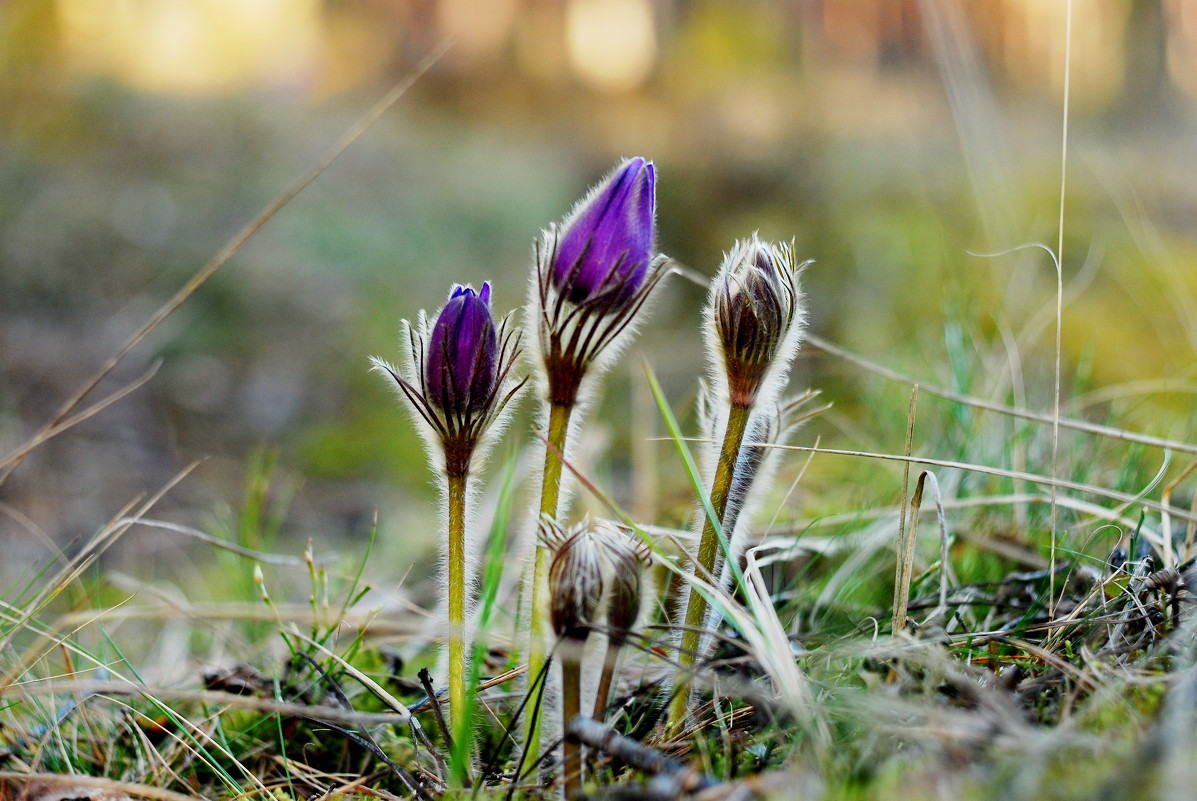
575, 578
593, 275
457, 384
626, 558
754, 321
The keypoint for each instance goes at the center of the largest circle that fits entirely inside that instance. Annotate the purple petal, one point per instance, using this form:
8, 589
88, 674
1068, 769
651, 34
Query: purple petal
608, 244
460, 370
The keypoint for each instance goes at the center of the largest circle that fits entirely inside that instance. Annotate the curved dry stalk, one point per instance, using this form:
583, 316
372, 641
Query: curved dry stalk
213, 697
1033, 478
227, 252
74, 781
1109, 432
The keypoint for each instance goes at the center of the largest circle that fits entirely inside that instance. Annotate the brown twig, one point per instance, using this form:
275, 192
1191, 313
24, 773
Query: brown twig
426, 681
639, 756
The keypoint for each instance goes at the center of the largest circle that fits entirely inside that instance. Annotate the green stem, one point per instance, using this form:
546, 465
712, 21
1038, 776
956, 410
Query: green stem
571, 707
458, 724
603, 696
550, 493
708, 548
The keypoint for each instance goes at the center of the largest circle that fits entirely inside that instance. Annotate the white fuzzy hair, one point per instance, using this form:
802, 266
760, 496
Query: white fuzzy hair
415, 338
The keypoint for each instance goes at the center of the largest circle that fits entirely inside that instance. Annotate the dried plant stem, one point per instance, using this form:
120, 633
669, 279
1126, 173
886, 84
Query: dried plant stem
708, 549
571, 707
603, 695
550, 493
457, 583
906, 535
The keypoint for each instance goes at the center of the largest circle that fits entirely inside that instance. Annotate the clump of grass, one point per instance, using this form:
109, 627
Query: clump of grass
1037, 639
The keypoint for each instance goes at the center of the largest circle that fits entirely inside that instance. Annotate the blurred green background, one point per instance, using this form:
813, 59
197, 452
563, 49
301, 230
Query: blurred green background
891, 139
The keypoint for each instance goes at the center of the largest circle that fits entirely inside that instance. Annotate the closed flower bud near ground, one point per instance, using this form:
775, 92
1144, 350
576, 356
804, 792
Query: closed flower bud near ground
627, 558
576, 588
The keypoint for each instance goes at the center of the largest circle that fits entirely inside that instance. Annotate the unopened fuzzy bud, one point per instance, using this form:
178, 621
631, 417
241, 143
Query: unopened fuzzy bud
575, 579
757, 314
627, 558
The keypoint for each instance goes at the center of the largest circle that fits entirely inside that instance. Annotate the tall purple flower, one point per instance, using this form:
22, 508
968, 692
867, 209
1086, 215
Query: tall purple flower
456, 376
607, 245
594, 273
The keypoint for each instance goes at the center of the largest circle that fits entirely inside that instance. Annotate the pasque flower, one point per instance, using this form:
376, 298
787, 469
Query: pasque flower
576, 587
593, 275
594, 272
456, 378
627, 558
462, 354
575, 578
754, 327
457, 372
604, 249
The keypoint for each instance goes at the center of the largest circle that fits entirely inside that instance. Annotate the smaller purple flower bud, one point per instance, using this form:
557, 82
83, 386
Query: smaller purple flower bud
606, 244
463, 354
758, 315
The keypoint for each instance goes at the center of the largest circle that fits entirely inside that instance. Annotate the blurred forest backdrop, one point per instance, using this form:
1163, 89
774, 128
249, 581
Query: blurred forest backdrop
889, 137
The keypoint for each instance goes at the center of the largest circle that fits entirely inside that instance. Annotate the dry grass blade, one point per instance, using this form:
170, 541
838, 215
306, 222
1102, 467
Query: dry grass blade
228, 251
100, 543
905, 532
1033, 478
366, 681
76, 781
59, 426
1084, 427
213, 697
216, 542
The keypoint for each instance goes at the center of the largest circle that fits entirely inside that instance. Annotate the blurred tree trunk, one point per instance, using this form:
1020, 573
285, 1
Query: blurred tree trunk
1146, 86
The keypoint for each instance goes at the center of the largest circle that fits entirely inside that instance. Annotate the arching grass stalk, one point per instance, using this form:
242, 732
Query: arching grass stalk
753, 326
456, 380
593, 275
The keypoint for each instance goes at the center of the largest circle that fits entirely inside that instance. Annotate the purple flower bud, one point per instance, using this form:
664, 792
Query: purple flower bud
462, 355
606, 244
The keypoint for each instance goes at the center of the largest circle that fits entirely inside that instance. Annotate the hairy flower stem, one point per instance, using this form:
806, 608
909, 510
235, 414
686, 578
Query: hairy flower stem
458, 725
708, 548
550, 492
603, 695
571, 707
